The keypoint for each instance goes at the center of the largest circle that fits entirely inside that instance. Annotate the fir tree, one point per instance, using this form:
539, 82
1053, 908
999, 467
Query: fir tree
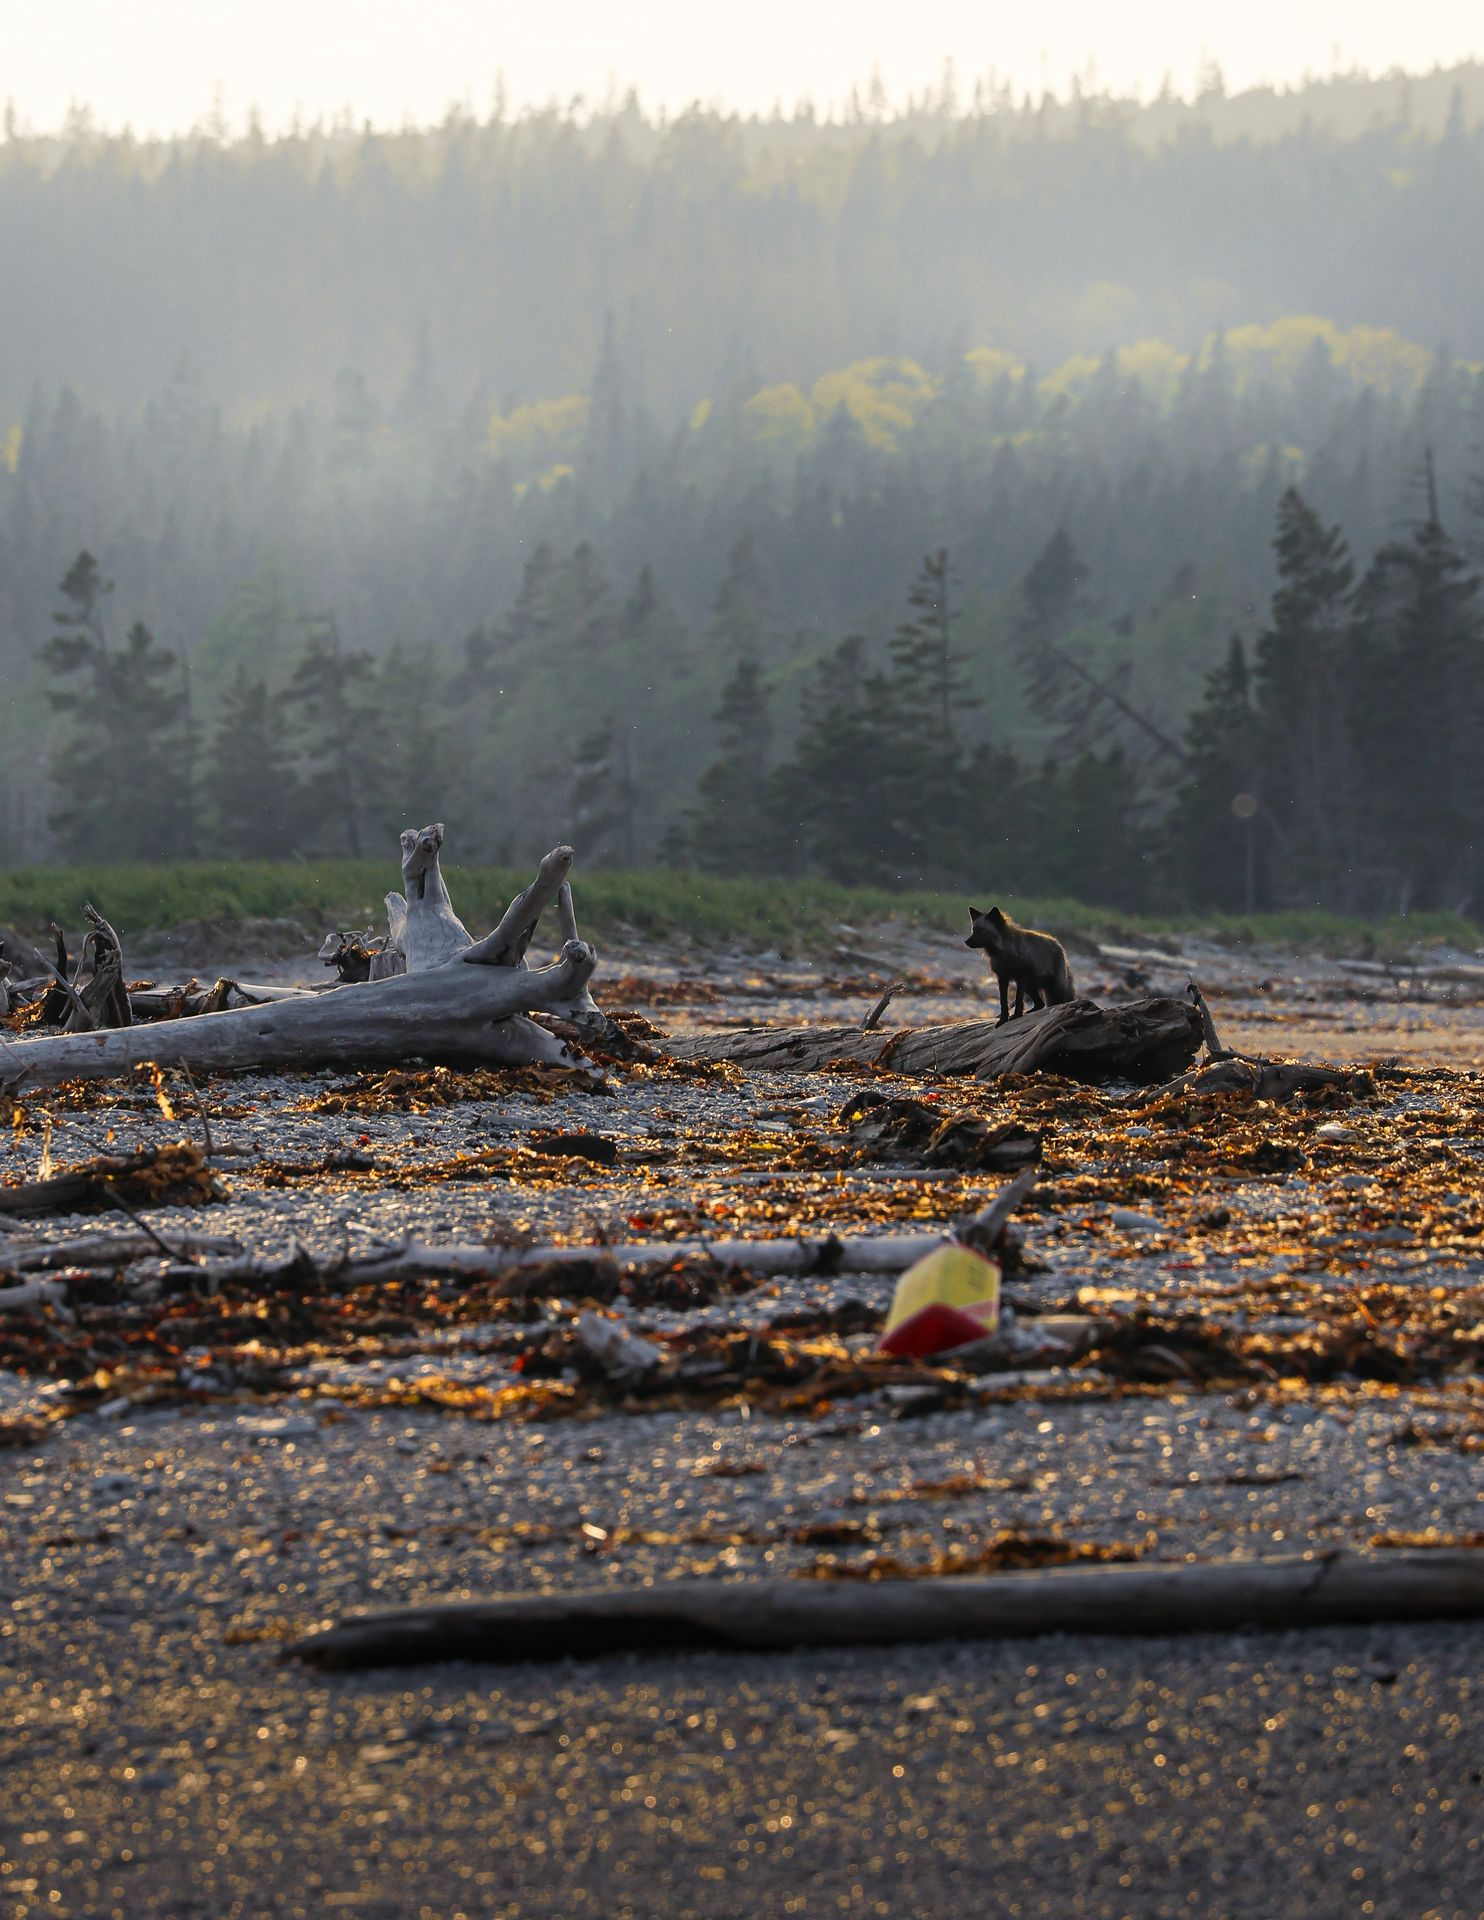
118, 764
604, 801
1420, 717
1304, 767
1219, 843
249, 784
729, 832
340, 738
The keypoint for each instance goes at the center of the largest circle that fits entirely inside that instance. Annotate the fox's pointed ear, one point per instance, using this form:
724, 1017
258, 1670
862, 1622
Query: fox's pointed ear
975, 914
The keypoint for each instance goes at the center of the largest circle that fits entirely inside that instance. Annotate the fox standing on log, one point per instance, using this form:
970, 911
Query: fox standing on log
1035, 962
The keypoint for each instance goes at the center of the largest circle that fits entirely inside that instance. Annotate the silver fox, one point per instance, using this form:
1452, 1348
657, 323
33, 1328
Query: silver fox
1035, 962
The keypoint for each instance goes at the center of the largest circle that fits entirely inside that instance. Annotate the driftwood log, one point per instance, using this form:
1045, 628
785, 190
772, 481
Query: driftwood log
186, 1002
847, 1253
472, 1008
1299, 1590
1146, 1040
1229, 1071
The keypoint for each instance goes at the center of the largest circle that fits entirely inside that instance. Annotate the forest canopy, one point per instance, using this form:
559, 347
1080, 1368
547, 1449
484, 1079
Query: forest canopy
711, 444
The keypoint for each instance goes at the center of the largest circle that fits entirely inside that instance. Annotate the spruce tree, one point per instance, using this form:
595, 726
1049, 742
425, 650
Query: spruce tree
1419, 720
729, 831
249, 786
1220, 845
340, 738
414, 717
1304, 770
927, 665
604, 800
1051, 598
119, 765
849, 802
741, 623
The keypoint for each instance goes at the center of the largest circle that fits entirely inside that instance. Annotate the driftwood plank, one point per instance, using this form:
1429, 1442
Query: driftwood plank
1146, 1040
1301, 1590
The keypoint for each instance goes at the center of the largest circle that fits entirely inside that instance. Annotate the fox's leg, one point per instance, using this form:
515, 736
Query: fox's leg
1019, 998
1037, 998
1004, 980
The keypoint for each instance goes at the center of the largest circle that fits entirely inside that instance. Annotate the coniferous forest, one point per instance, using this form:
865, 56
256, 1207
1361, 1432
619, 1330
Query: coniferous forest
1082, 499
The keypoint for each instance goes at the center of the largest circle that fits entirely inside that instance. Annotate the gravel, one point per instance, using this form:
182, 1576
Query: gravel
160, 1757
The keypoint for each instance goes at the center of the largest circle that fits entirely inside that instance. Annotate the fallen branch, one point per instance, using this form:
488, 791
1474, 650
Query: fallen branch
873, 1019
105, 1250
104, 996
506, 945
1214, 1048
852, 1253
1296, 1591
1276, 1080
34, 1293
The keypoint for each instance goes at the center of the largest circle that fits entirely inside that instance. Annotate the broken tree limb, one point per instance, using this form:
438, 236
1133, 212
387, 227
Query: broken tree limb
1144, 1040
107, 1250
452, 1012
873, 1019
178, 1003
1298, 1590
506, 945
1214, 1048
1277, 1080
33, 1293
79, 1015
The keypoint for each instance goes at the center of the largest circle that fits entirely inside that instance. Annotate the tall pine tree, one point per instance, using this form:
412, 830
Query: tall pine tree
120, 768
1304, 770
1419, 722
249, 786
729, 832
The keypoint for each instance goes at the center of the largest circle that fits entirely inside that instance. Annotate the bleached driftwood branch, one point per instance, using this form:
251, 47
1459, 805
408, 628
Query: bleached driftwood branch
831, 1253
506, 945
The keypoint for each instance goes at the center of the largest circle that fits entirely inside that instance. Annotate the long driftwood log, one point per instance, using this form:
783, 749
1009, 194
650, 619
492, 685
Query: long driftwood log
831, 1253
1299, 1590
1146, 1040
454, 1012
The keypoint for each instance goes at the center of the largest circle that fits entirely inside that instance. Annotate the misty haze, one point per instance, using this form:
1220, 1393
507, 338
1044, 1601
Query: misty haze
741, 973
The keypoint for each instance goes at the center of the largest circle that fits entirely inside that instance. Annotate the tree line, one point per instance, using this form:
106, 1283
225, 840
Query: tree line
491, 248
1332, 761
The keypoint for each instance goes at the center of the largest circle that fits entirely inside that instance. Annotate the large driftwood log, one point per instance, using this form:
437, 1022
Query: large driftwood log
454, 1012
1184, 1597
1145, 1040
471, 1008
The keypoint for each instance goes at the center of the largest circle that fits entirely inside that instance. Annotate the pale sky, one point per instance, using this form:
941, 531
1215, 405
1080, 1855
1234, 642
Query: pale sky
156, 65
